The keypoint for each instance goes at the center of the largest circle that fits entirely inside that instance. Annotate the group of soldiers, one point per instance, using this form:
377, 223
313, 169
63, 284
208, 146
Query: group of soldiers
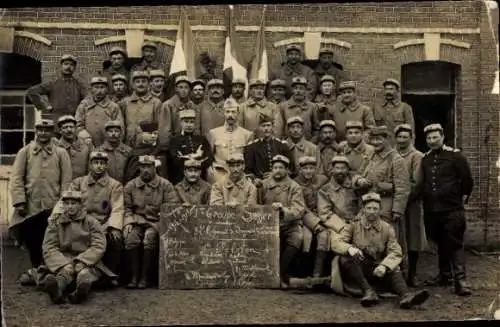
344, 177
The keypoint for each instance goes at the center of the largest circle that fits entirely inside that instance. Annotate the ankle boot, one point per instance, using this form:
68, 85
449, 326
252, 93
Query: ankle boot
55, 286
369, 298
461, 288
319, 263
133, 259
285, 260
81, 292
411, 299
146, 262
412, 269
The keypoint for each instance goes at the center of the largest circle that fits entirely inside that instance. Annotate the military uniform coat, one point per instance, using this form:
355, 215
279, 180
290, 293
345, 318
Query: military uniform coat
225, 142
306, 110
358, 156
195, 194
118, 158
250, 113
132, 166
171, 121
303, 148
212, 116
79, 153
110, 72
227, 191
356, 111
392, 114
325, 106
326, 154
259, 153
148, 66
287, 73
319, 72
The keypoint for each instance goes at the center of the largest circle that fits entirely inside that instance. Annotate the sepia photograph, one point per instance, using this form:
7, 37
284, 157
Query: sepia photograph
279, 163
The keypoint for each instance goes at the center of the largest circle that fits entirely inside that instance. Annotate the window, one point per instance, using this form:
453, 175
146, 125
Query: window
17, 123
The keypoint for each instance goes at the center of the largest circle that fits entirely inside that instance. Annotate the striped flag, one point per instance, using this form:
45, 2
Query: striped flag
233, 63
492, 10
259, 66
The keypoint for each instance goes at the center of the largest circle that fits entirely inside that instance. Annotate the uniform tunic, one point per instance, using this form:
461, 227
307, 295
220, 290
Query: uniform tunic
303, 148
118, 158
358, 156
239, 101
392, 114
171, 109
306, 110
148, 66
226, 191
326, 154
259, 153
195, 194
325, 106
338, 74
160, 95
356, 111
287, 73
338, 201
110, 72
212, 115
137, 109
79, 153
250, 113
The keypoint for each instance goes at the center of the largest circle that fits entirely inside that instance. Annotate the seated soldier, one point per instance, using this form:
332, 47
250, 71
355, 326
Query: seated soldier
143, 197
235, 189
369, 253
117, 151
192, 189
72, 249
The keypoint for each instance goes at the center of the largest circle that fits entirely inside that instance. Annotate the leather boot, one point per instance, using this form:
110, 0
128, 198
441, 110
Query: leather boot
411, 299
55, 287
319, 263
461, 288
370, 298
81, 292
133, 259
411, 280
439, 280
285, 260
146, 262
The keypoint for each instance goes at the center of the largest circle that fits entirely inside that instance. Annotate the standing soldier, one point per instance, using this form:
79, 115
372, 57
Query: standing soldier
235, 190
299, 146
41, 172
187, 144
143, 198
326, 97
238, 87
277, 91
149, 58
298, 105
117, 152
287, 198
95, 111
212, 109
119, 87
387, 174
157, 84
354, 147
393, 111
117, 59
327, 146
326, 67
349, 108
192, 190
446, 183
197, 93
77, 149
260, 152
415, 230
293, 68
257, 105
63, 94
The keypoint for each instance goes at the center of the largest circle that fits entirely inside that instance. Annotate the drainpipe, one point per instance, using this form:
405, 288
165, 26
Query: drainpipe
485, 209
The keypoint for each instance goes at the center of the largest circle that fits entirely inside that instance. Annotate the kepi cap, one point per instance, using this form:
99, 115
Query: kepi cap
47, 123
342, 159
149, 44
256, 81
307, 160
293, 47
433, 128
198, 82
138, 74
392, 81
325, 50
353, 124
117, 50
280, 158
147, 160
295, 119
192, 163
215, 82
65, 119
182, 78
347, 85
371, 196
98, 155
67, 57
239, 81
403, 127
277, 83
156, 73
235, 158
70, 194
187, 113
99, 80
119, 77
113, 123
299, 80
327, 78
263, 118
148, 126
327, 122
379, 130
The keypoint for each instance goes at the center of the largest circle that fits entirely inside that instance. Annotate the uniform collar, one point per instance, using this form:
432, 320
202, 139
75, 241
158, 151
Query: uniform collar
153, 184
103, 181
322, 98
240, 101
108, 147
293, 70
394, 103
122, 70
371, 225
261, 103
65, 219
323, 146
384, 152
360, 148
230, 184
190, 186
217, 105
145, 98
353, 106
336, 186
153, 64
299, 145
103, 103
303, 182
178, 103
406, 152
37, 147
158, 95
303, 105
226, 128
273, 183
77, 143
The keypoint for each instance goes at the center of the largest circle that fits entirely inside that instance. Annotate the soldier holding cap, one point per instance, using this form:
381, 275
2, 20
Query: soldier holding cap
326, 97
299, 146
212, 109
63, 94
326, 66
327, 146
149, 58
192, 190
354, 147
349, 108
118, 152
143, 197
235, 189
238, 88
287, 198
277, 91
157, 81
77, 149
368, 247
116, 65
119, 87
445, 183
41, 172
293, 68
96, 110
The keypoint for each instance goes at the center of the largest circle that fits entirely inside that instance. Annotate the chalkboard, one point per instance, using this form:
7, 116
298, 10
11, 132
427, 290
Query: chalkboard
219, 247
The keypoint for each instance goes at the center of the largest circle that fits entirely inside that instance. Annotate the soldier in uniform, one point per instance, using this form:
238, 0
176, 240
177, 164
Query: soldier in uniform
260, 152
41, 172
118, 153
192, 189
287, 198
293, 68
95, 111
256, 105
235, 190
311, 182
393, 111
299, 146
143, 198
72, 250
349, 108
212, 109
445, 184
326, 98
225, 140
149, 58
63, 94
277, 91
354, 147
77, 149
197, 93
326, 67
370, 253
157, 84
117, 58
188, 144
298, 105
119, 88
414, 220
327, 146
238, 87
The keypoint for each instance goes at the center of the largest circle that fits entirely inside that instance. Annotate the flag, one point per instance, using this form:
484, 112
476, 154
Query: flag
259, 67
492, 11
233, 67
183, 60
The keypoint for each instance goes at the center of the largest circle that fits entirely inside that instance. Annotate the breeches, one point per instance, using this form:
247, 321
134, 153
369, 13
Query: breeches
79, 273
144, 234
291, 235
323, 240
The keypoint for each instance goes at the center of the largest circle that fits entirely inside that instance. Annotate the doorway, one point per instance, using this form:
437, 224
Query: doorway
431, 88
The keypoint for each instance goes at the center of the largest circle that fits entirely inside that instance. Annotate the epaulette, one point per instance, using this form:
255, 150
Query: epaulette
449, 148
253, 141
280, 140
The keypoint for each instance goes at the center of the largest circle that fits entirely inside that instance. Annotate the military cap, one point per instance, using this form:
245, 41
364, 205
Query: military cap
139, 73
353, 124
403, 127
325, 50
239, 81
299, 80
156, 73
118, 50
294, 47
342, 159
99, 80
255, 82
235, 157
277, 83
119, 77
113, 123
327, 122
149, 44
198, 82
231, 103
192, 163
70, 194
295, 119
379, 130
392, 81
187, 113
44, 123
347, 85
65, 119
371, 196
280, 158
432, 128
263, 118
307, 160
67, 57
147, 160
215, 82
328, 78
148, 126
182, 78
98, 155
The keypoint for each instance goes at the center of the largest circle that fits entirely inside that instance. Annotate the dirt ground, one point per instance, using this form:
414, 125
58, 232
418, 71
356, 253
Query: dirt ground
24, 306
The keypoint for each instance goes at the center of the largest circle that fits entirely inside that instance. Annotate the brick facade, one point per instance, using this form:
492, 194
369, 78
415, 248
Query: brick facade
370, 59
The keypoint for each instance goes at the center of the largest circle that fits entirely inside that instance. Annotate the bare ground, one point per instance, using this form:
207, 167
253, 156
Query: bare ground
24, 306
